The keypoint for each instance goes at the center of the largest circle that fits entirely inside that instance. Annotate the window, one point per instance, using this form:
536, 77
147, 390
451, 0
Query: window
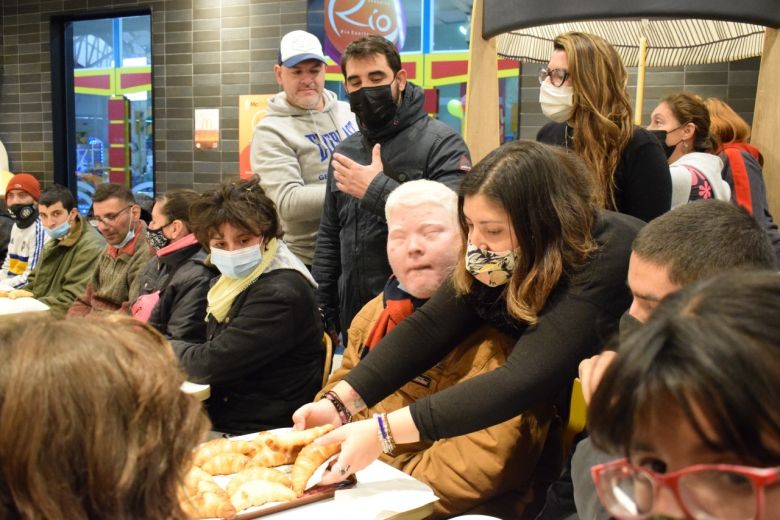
105, 131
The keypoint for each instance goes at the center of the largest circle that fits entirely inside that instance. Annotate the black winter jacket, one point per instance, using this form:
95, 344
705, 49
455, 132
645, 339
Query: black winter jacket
6, 223
185, 280
350, 259
265, 360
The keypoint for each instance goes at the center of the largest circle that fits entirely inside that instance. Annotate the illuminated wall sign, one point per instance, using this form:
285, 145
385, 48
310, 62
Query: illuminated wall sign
348, 20
206, 128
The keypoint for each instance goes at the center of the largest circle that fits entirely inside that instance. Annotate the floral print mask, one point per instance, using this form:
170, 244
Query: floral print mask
490, 267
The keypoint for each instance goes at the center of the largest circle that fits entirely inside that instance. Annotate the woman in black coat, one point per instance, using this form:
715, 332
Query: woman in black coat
263, 355
175, 282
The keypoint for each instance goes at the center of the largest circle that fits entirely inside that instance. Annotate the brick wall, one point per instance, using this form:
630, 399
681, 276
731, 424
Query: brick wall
733, 82
205, 54
208, 52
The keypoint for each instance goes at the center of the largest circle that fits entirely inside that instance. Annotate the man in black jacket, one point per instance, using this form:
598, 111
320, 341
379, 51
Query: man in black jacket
397, 142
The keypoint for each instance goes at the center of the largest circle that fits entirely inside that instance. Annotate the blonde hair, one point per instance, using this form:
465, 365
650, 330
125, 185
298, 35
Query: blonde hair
92, 420
421, 192
602, 109
726, 126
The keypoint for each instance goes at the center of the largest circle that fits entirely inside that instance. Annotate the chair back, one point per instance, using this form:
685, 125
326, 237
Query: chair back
578, 417
328, 344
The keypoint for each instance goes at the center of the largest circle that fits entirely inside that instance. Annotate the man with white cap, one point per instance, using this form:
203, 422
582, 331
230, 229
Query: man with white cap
292, 144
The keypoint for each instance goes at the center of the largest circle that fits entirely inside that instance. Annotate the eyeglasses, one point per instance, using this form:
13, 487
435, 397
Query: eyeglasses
557, 76
704, 491
111, 217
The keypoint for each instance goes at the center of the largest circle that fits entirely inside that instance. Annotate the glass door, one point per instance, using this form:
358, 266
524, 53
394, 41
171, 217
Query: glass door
111, 100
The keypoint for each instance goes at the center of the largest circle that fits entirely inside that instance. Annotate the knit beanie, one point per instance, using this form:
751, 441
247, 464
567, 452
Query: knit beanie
24, 182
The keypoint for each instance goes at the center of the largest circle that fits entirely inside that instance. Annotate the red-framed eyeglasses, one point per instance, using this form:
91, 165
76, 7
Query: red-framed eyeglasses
703, 491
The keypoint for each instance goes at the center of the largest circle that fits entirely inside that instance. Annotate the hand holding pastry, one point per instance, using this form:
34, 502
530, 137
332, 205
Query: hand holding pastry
309, 459
360, 446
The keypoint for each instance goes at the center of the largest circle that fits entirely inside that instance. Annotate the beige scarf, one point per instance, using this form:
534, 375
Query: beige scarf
222, 293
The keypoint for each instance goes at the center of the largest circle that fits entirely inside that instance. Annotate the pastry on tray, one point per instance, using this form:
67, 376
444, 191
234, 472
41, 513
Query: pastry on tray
259, 492
225, 463
309, 459
258, 473
202, 497
272, 467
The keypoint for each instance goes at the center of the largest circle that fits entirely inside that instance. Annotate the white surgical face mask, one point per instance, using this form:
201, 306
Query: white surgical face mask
128, 237
238, 263
556, 102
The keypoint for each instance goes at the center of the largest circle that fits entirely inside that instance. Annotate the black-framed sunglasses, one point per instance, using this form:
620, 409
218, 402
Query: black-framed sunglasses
557, 76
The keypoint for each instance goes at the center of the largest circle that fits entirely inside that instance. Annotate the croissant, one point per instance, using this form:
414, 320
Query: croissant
225, 463
20, 293
209, 505
268, 457
201, 497
197, 481
307, 462
259, 492
258, 473
214, 447
296, 439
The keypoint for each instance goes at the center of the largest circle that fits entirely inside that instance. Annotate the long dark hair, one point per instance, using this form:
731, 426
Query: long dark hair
713, 351
549, 198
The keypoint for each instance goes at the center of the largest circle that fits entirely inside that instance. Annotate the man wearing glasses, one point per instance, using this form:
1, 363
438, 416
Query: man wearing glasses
115, 281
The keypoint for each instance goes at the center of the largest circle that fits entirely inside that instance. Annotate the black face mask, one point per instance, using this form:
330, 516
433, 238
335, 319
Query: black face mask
373, 106
661, 136
628, 324
156, 238
24, 214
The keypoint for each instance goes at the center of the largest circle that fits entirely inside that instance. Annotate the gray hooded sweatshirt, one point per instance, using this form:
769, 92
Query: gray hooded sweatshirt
291, 150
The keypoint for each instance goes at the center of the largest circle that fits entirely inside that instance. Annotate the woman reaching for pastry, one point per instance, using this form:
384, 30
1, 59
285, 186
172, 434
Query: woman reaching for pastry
540, 262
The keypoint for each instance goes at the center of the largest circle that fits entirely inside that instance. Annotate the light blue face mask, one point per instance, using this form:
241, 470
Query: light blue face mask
238, 263
130, 235
59, 231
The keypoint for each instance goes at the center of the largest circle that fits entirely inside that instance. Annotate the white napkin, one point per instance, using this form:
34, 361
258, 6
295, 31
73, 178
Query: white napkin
19, 305
383, 499
317, 475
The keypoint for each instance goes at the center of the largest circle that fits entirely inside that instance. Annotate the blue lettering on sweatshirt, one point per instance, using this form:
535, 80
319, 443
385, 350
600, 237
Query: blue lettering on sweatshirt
327, 142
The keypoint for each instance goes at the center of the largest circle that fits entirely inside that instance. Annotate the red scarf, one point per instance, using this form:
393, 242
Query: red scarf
739, 174
398, 305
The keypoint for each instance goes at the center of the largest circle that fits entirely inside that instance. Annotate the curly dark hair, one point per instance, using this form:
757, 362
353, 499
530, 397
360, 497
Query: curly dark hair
241, 203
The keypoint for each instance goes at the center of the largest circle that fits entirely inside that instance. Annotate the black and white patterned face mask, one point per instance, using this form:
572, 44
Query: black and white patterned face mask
24, 214
156, 238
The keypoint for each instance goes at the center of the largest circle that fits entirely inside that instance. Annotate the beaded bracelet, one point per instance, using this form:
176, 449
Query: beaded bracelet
344, 414
384, 433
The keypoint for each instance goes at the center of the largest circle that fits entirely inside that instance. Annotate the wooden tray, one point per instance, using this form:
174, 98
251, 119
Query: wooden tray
314, 494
